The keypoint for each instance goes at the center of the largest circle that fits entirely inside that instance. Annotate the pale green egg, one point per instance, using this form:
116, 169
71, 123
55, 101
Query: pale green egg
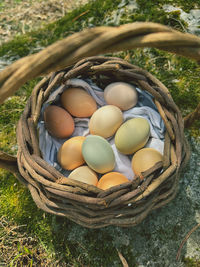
98, 154
132, 135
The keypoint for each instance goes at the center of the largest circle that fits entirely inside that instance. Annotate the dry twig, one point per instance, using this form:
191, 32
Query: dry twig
185, 239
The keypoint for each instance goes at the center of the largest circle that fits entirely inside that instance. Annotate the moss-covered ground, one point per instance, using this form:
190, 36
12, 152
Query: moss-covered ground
57, 241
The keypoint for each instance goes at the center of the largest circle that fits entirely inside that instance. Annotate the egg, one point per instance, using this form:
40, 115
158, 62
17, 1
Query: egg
111, 179
132, 135
70, 153
98, 154
84, 174
58, 121
78, 102
105, 121
121, 94
144, 159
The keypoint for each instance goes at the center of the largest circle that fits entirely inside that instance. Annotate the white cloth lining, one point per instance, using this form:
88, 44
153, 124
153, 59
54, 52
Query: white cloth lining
145, 108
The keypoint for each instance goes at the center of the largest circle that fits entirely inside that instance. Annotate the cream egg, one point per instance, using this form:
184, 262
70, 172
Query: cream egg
105, 121
84, 174
121, 94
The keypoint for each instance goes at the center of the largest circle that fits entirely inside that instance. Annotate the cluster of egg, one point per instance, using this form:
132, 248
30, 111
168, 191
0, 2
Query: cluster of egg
87, 157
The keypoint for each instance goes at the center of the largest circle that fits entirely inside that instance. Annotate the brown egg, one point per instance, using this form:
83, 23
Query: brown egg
70, 153
111, 179
78, 102
144, 159
58, 121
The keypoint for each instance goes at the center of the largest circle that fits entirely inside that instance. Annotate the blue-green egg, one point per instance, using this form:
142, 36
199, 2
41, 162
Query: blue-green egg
98, 154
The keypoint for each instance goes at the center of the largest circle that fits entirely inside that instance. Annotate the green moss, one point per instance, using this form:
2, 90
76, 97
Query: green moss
20, 44
10, 112
15, 199
186, 5
189, 262
87, 247
148, 11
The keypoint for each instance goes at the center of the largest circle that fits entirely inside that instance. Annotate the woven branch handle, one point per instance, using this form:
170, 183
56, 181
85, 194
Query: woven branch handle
97, 41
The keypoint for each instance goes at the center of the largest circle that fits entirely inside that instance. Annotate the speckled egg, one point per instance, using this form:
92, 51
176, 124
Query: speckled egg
132, 135
70, 153
58, 121
78, 102
111, 179
121, 94
98, 154
105, 121
144, 159
84, 174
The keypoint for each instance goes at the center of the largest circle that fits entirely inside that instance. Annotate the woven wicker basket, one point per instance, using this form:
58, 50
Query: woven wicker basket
127, 204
